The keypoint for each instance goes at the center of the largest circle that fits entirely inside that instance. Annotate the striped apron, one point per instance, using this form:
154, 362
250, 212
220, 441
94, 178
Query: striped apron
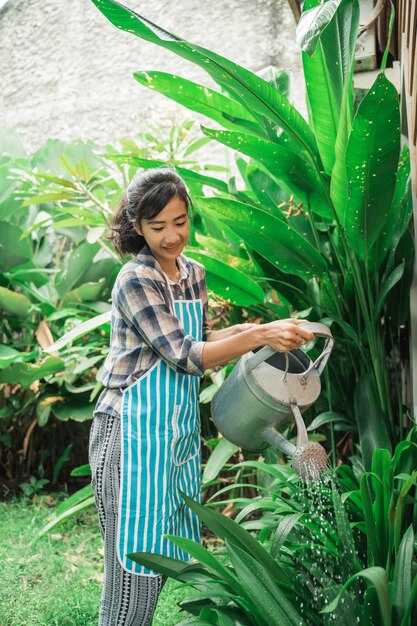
160, 455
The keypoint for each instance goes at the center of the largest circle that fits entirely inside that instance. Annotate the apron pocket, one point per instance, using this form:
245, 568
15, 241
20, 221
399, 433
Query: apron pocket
186, 433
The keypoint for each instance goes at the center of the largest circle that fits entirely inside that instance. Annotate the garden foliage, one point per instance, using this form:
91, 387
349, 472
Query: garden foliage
341, 249
318, 228
56, 274
339, 552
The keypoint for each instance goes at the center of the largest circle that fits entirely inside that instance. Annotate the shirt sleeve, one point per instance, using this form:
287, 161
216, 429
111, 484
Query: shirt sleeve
142, 305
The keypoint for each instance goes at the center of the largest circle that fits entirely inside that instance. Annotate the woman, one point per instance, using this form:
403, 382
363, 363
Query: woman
145, 443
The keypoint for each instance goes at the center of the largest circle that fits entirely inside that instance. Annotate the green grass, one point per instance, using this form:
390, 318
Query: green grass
56, 580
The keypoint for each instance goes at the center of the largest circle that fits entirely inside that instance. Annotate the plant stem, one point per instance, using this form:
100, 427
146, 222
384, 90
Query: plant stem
59, 252
103, 245
105, 209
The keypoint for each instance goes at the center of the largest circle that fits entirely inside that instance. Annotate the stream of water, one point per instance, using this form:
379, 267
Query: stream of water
324, 552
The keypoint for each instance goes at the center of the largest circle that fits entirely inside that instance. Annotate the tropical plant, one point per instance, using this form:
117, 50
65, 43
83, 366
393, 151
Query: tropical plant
324, 212
344, 549
57, 271
51, 278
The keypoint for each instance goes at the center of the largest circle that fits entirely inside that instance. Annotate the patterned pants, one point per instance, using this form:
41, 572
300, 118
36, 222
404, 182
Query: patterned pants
127, 599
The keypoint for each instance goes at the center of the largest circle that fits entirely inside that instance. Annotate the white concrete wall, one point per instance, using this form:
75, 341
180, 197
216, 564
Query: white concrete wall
66, 72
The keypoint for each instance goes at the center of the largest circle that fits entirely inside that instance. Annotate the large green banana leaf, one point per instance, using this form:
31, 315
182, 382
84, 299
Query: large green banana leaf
338, 42
339, 183
266, 189
188, 175
221, 250
287, 166
214, 228
271, 237
256, 94
336, 35
270, 195
314, 19
399, 214
201, 99
227, 281
371, 162
323, 106
325, 78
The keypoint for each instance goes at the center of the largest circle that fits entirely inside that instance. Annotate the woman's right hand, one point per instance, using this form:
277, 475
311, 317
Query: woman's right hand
282, 335
285, 335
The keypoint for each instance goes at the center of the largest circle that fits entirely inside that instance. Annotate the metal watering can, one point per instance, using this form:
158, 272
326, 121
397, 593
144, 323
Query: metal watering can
265, 392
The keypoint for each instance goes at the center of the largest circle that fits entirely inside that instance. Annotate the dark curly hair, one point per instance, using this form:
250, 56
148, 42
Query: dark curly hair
145, 196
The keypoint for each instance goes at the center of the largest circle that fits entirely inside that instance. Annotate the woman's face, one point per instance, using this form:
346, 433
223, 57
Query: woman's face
167, 233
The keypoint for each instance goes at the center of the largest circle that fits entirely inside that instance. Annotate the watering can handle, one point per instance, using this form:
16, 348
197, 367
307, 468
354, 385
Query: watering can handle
321, 330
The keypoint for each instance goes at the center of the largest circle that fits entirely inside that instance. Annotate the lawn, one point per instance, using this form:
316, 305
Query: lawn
56, 579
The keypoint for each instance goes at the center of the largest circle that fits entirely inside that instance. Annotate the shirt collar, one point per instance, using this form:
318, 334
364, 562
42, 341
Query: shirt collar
146, 257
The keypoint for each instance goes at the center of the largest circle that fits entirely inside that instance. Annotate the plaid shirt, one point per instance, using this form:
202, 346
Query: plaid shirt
144, 327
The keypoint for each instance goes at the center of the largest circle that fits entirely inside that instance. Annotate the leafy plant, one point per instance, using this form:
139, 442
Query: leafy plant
343, 552
325, 206
366, 532
56, 275
51, 278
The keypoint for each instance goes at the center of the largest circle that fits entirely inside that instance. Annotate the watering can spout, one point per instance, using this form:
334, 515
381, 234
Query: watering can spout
302, 437
274, 438
309, 458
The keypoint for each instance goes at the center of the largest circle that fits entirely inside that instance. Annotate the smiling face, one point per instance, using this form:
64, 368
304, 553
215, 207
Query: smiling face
167, 233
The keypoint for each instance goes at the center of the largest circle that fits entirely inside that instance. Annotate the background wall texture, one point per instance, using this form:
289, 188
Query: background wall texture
67, 72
